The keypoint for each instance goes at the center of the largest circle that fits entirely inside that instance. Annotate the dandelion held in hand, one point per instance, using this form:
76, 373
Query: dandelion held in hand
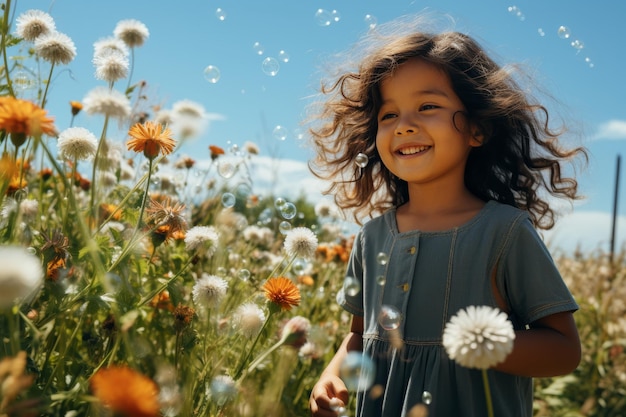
301, 241
282, 293
478, 337
150, 138
126, 392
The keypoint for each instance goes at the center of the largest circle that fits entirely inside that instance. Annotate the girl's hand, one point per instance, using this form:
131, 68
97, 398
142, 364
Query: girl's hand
326, 395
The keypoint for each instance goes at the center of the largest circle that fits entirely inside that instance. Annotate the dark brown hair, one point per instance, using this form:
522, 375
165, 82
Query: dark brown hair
519, 156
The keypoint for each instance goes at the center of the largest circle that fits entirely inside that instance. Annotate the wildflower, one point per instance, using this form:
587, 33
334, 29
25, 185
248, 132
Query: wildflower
309, 350
23, 118
325, 208
12, 378
249, 319
166, 213
55, 245
258, 235
162, 301
209, 290
296, 331
282, 293
185, 162
202, 236
182, 317
222, 389
301, 241
132, 32
216, 151
76, 106
77, 143
21, 274
108, 45
112, 103
55, 47
251, 148
478, 337
151, 139
33, 23
163, 117
111, 66
188, 108
29, 209
138, 398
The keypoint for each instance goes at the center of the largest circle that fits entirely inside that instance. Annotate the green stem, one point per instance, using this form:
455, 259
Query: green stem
45, 92
242, 364
265, 354
145, 198
92, 210
5, 28
487, 393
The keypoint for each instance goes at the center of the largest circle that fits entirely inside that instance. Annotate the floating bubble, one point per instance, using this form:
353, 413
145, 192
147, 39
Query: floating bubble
382, 258
517, 12
563, 32
357, 371
244, 189
212, 74
380, 280
228, 200
351, 286
288, 211
283, 56
578, 45
22, 81
361, 160
280, 133
588, 61
427, 397
323, 17
299, 266
226, 169
258, 48
220, 14
284, 227
541, 32
298, 134
270, 66
279, 202
389, 317
371, 21
335, 15
243, 274
221, 271
265, 217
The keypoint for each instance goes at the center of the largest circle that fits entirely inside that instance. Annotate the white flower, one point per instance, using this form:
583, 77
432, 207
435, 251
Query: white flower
296, 331
478, 337
55, 48
222, 389
209, 290
249, 319
108, 45
132, 32
258, 235
34, 23
188, 108
252, 148
326, 208
29, 209
202, 236
111, 66
20, 276
301, 241
77, 143
102, 100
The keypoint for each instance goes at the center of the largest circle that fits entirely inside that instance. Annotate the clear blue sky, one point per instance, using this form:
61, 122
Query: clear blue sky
188, 35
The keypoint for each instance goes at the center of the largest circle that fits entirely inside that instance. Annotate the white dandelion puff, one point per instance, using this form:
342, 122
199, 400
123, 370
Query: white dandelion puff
112, 103
249, 319
21, 275
33, 23
55, 47
111, 66
209, 291
200, 237
77, 143
479, 337
132, 32
301, 241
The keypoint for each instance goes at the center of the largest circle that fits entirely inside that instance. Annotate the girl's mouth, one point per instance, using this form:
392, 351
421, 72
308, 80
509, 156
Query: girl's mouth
412, 150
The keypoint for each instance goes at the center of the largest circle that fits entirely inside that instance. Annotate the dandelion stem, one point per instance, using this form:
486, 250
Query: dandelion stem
5, 28
145, 198
45, 92
242, 364
487, 393
95, 165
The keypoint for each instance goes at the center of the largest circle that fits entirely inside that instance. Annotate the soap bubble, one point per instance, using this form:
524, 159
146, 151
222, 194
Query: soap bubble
382, 258
283, 56
427, 397
371, 21
357, 371
335, 15
243, 274
220, 14
228, 200
226, 169
279, 202
389, 317
563, 32
361, 160
323, 17
270, 66
284, 227
258, 48
280, 133
351, 286
288, 211
212, 74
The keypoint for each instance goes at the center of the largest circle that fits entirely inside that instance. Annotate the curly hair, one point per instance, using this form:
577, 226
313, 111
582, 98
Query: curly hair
520, 154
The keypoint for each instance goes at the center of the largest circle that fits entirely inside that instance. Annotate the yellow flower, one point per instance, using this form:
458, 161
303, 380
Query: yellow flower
23, 118
282, 292
126, 392
150, 138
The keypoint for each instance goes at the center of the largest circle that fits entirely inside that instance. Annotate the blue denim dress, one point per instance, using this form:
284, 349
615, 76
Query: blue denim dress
428, 277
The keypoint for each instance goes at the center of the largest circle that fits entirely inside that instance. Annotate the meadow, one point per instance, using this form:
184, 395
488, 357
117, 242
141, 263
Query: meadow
134, 282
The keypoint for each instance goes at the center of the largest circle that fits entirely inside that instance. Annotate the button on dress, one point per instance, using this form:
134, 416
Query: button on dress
426, 279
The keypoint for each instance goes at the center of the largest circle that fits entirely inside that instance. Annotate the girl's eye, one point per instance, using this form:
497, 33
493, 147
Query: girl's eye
428, 107
387, 116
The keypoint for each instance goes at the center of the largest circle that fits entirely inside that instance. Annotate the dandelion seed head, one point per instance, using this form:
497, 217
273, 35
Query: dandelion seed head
111, 66
301, 241
20, 276
107, 102
55, 47
77, 143
202, 237
209, 291
33, 23
108, 45
132, 32
248, 319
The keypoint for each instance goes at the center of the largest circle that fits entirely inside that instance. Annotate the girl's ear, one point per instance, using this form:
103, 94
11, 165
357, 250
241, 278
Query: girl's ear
478, 138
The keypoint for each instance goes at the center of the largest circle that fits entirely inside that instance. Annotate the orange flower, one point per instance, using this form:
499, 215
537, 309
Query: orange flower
22, 118
282, 292
109, 210
162, 301
77, 106
150, 138
216, 151
126, 392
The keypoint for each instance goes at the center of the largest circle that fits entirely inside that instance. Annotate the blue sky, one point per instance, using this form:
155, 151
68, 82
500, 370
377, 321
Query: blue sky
187, 36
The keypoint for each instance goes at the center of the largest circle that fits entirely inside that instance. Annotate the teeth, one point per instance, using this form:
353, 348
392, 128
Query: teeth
413, 150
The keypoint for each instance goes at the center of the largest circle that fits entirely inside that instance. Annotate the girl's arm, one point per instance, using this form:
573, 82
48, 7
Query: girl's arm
550, 347
330, 385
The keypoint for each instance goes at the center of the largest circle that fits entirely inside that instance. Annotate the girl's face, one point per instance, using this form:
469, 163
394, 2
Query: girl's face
417, 139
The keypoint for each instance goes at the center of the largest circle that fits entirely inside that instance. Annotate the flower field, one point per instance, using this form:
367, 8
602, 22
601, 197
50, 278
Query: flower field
127, 293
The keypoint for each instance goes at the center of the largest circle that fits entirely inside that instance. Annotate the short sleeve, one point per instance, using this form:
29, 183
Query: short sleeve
354, 303
528, 277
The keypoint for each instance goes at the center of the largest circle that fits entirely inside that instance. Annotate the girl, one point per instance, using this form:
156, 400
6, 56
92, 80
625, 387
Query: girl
458, 160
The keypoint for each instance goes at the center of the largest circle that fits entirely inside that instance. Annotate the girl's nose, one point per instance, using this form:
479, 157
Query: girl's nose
406, 127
